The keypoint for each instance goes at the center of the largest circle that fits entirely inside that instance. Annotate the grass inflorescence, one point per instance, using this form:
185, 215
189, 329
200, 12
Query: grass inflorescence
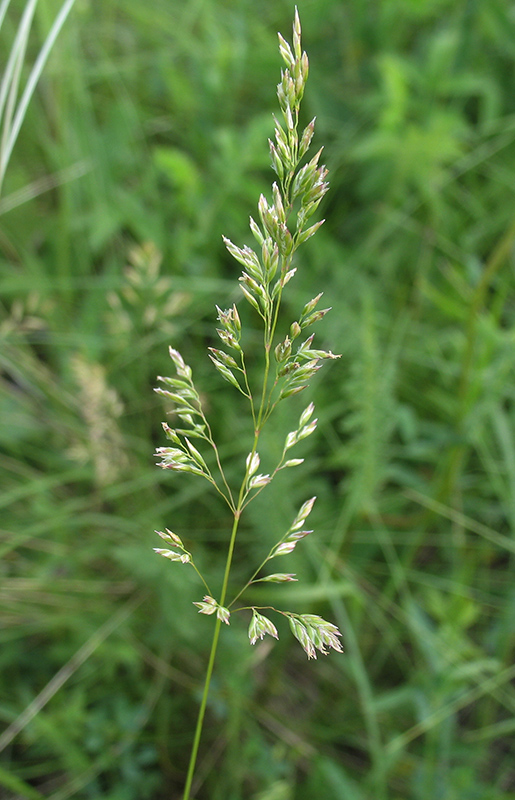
289, 361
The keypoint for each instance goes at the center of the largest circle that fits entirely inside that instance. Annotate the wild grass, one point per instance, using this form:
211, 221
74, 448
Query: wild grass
13, 108
150, 129
288, 363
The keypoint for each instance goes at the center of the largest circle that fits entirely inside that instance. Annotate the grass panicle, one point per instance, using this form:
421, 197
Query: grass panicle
288, 364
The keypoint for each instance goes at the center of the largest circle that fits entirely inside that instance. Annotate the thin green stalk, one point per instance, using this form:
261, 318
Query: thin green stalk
250, 580
269, 409
247, 386
212, 654
202, 711
267, 345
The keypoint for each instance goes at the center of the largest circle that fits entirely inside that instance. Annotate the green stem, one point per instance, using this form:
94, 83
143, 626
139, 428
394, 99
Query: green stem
229, 499
212, 654
201, 577
202, 711
246, 378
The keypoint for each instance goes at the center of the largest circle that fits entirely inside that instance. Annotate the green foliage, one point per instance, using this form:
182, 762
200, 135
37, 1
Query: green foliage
144, 142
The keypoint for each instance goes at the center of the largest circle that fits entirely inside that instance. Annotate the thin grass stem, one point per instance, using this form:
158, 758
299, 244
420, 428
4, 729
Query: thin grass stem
202, 711
212, 654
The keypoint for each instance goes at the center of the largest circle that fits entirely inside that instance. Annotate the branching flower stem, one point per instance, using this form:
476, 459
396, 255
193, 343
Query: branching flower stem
266, 273
249, 393
223, 594
229, 499
230, 553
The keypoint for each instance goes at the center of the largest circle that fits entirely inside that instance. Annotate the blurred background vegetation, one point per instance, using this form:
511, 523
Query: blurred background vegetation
144, 143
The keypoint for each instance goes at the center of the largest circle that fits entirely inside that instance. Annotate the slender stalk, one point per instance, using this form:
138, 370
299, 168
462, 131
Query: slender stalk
229, 499
202, 711
246, 379
212, 654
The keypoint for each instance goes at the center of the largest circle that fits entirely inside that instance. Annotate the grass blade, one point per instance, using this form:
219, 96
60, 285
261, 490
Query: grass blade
32, 81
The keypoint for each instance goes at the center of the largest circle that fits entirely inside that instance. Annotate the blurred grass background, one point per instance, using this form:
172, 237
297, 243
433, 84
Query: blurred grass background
144, 143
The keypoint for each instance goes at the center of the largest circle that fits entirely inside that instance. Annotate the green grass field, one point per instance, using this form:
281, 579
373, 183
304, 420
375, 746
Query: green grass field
145, 141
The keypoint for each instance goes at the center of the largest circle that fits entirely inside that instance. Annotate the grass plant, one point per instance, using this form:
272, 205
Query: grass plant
288, 366
13, 108
143, 141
